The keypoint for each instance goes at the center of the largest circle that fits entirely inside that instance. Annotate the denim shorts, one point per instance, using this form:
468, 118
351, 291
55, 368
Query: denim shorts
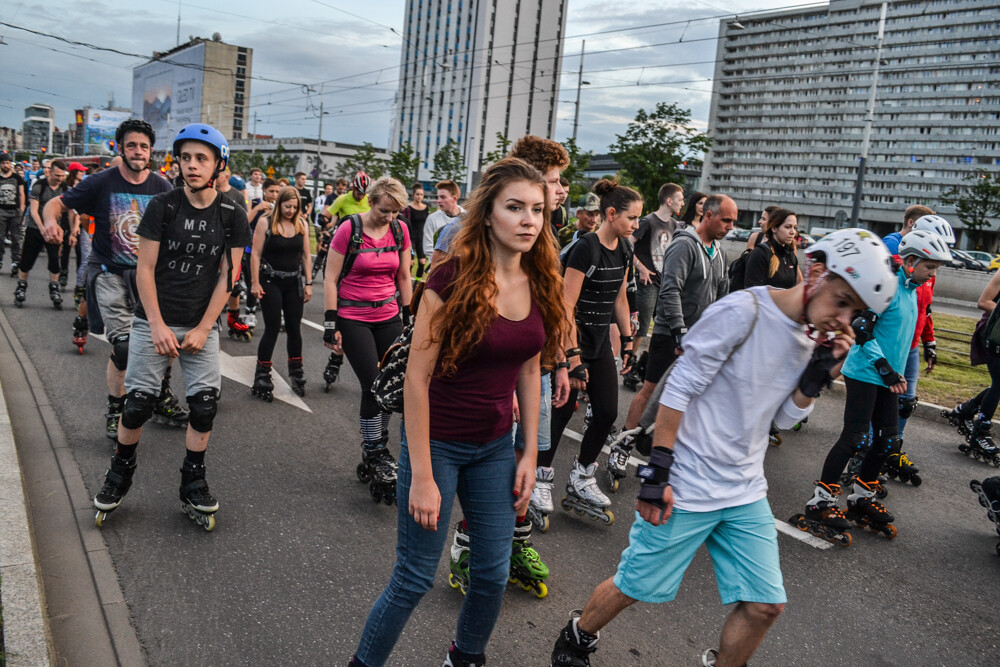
544, 419
146, 367
742, 541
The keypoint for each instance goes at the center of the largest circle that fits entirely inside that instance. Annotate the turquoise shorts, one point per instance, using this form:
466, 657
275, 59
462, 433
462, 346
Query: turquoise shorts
742, 542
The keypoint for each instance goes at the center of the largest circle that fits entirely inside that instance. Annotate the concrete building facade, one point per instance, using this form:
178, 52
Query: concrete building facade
37, 127
472, 68
790, 98
305, 150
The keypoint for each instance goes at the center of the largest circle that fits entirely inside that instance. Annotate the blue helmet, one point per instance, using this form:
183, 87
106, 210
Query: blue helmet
206, 134
237, 183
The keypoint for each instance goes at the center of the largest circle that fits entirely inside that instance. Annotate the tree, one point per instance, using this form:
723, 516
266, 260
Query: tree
501, 151
280, 162
655, 145
403, 164
364, 159
976, 201
579, 161
449, 165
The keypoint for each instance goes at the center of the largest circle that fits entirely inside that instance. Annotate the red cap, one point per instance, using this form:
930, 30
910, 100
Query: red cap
76, 166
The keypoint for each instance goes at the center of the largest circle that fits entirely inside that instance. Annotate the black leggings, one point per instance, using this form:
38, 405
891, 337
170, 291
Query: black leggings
866, 404
602, 389
281, 295
33, 245
987, 400
364, 345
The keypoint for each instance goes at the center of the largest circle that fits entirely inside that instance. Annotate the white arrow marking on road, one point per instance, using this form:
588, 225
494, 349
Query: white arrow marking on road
241, 369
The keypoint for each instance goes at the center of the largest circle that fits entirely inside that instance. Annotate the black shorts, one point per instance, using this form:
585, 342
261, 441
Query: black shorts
33, 246
661, 355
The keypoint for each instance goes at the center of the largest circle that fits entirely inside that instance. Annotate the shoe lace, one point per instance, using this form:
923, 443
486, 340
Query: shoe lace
904, 460
621, 457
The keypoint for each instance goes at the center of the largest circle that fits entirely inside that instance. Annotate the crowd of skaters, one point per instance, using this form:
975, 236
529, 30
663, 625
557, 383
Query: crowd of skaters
551, 307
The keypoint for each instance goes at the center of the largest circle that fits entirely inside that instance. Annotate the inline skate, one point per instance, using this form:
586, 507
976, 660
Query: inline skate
117, 481
378, 469
574, 646
633, 379
332, 370
197, 501
20, 293
774, 436
823, 518
238, 330
583, 495
168, 410
621, 450
250, 319
866, 512
526, 569
854, 467
989, 497
899, 466
262, 387
456, 658
458, 564
114, 414
540, 506
79, 295
798, 427
961, 417
980, 443
55, 294
80, 329
63, 279
296, 375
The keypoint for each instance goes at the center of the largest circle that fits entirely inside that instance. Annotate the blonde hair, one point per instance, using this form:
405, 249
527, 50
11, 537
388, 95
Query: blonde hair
391, 189
275, 216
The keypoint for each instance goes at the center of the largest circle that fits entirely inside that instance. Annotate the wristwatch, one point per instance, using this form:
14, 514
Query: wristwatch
573, 352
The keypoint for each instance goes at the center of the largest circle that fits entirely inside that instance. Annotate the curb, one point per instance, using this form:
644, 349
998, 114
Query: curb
25, 629
925, 410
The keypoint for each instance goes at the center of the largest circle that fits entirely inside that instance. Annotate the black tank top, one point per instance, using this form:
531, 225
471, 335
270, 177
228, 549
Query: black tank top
283, 253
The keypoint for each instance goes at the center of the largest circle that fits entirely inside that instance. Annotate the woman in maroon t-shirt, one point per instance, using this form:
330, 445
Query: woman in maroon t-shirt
489, 314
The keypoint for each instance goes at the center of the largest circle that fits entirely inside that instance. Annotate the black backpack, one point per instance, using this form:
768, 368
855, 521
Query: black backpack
172, 201
594, 242
354, 245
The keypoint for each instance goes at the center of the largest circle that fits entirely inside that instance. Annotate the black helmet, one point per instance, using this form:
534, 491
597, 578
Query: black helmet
5, 157
134, 125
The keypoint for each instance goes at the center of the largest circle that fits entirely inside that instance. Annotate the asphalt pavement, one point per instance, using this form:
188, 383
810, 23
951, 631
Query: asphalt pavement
300, 552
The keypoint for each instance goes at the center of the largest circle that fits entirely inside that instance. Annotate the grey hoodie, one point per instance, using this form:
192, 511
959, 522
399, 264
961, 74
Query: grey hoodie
690, 281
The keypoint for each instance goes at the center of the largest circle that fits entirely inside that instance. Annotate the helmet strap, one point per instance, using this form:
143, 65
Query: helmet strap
808, 291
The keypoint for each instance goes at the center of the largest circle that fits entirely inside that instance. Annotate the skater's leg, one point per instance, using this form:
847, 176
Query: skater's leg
418, 551
116, 312
912, 375
662, 353
362, 343
991, 395
602, 389
484, 491
544, 419
645, 297
270, 309
605, 603
560, 418
744, 631
142, 380
858, 408
885, 421
293, 305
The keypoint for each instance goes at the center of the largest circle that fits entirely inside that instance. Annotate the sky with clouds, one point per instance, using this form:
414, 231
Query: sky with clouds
353, 49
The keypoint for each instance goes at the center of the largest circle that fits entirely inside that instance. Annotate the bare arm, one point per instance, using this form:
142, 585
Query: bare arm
51, 214
256, 248
404, 281
307, 266
986, 299
529, 398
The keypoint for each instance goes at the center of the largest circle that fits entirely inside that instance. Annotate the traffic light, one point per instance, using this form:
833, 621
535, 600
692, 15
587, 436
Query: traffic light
44, 149
111, 145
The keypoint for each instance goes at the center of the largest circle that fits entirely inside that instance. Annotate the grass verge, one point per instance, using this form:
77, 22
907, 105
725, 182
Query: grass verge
954, 379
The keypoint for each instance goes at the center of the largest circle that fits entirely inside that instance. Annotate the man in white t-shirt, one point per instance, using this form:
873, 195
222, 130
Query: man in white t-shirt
447, 201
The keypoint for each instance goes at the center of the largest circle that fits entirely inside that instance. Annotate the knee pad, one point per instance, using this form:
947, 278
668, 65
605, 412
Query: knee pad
887, 443
119, 351
138, 408
853, 443
907, 406
202, 407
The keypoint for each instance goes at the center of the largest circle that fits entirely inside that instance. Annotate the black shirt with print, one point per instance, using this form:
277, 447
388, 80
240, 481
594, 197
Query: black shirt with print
190, 256
595, 306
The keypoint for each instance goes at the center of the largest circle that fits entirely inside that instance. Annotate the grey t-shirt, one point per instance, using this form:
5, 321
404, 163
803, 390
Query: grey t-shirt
651, 241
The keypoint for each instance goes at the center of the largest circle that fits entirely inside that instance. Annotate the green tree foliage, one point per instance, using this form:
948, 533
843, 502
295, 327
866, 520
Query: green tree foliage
403, 164
281, 162
579, 161
654, 147
976, 200
449, 163
364, 159
501, 151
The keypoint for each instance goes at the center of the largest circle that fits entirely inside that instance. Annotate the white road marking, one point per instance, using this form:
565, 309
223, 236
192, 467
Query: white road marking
317, 327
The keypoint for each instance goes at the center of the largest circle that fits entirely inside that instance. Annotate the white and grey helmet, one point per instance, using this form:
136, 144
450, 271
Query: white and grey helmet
938, 225
863, 261
925, 245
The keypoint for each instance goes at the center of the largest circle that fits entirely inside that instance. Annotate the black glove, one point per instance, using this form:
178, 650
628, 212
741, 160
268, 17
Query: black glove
678, 335
628, 359
407, 315
864, 326
816, 377
579, 373
329, 326
930, 351
655, 476
889, 376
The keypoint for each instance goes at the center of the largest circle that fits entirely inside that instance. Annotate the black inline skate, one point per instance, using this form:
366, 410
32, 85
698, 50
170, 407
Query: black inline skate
633, 379
823, 518
20, 293
621, 450
961, 417
117, 481
866, 512
798, 427
238, 330
899, 466
456, 658
378, 469
55, 295
80, 329
197, 501
296, 375
63, 279
262, 387
989, 497
574, 646
168, 409
854, 467
980, 443
79, 295
114, 414
526, 569
332, 370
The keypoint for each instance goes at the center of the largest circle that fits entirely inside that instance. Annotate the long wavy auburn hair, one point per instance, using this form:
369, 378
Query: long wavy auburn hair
461, 322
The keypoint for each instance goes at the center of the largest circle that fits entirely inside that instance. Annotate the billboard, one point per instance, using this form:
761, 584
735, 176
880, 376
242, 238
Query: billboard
99, 128
167, 93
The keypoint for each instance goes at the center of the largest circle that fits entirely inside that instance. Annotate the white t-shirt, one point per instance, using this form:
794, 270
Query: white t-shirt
435, 223
729, 404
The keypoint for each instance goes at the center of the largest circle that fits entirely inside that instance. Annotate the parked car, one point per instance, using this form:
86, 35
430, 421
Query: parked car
738, 234
995, 264
805, 240
981, 255
962, 260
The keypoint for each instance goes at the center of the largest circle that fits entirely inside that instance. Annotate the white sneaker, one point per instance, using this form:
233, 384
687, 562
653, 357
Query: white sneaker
583, 484
541, 495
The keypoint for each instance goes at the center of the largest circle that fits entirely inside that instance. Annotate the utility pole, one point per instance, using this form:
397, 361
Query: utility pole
319, 145
579, 84
178, 22
253, 144
855, 209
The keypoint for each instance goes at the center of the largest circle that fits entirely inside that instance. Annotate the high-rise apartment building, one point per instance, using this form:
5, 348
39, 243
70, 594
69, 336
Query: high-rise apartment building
37, 128
472, 68
790, 98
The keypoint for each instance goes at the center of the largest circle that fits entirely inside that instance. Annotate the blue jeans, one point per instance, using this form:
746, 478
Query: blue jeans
912, 373
483, 478
544, 419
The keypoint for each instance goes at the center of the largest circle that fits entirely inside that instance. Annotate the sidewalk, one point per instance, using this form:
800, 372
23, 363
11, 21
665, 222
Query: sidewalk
80, 598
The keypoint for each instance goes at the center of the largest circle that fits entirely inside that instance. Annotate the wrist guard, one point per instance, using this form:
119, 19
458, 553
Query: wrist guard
628, 359
678, 335
579, 373
329, 326
930, 351
864, 327
407, 314
816, 377
655, 476
889, 376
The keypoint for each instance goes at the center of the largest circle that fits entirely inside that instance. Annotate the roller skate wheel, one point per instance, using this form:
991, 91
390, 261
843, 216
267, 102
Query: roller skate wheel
525, 587
100, 517
608, 517
389, 499
207, 522
615, 483
916, 480
890, 531
363, 474
326, 389
882, 493
541, 590
843, 540
565, 504
453, 582
975, 485
797, 427
541, 524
